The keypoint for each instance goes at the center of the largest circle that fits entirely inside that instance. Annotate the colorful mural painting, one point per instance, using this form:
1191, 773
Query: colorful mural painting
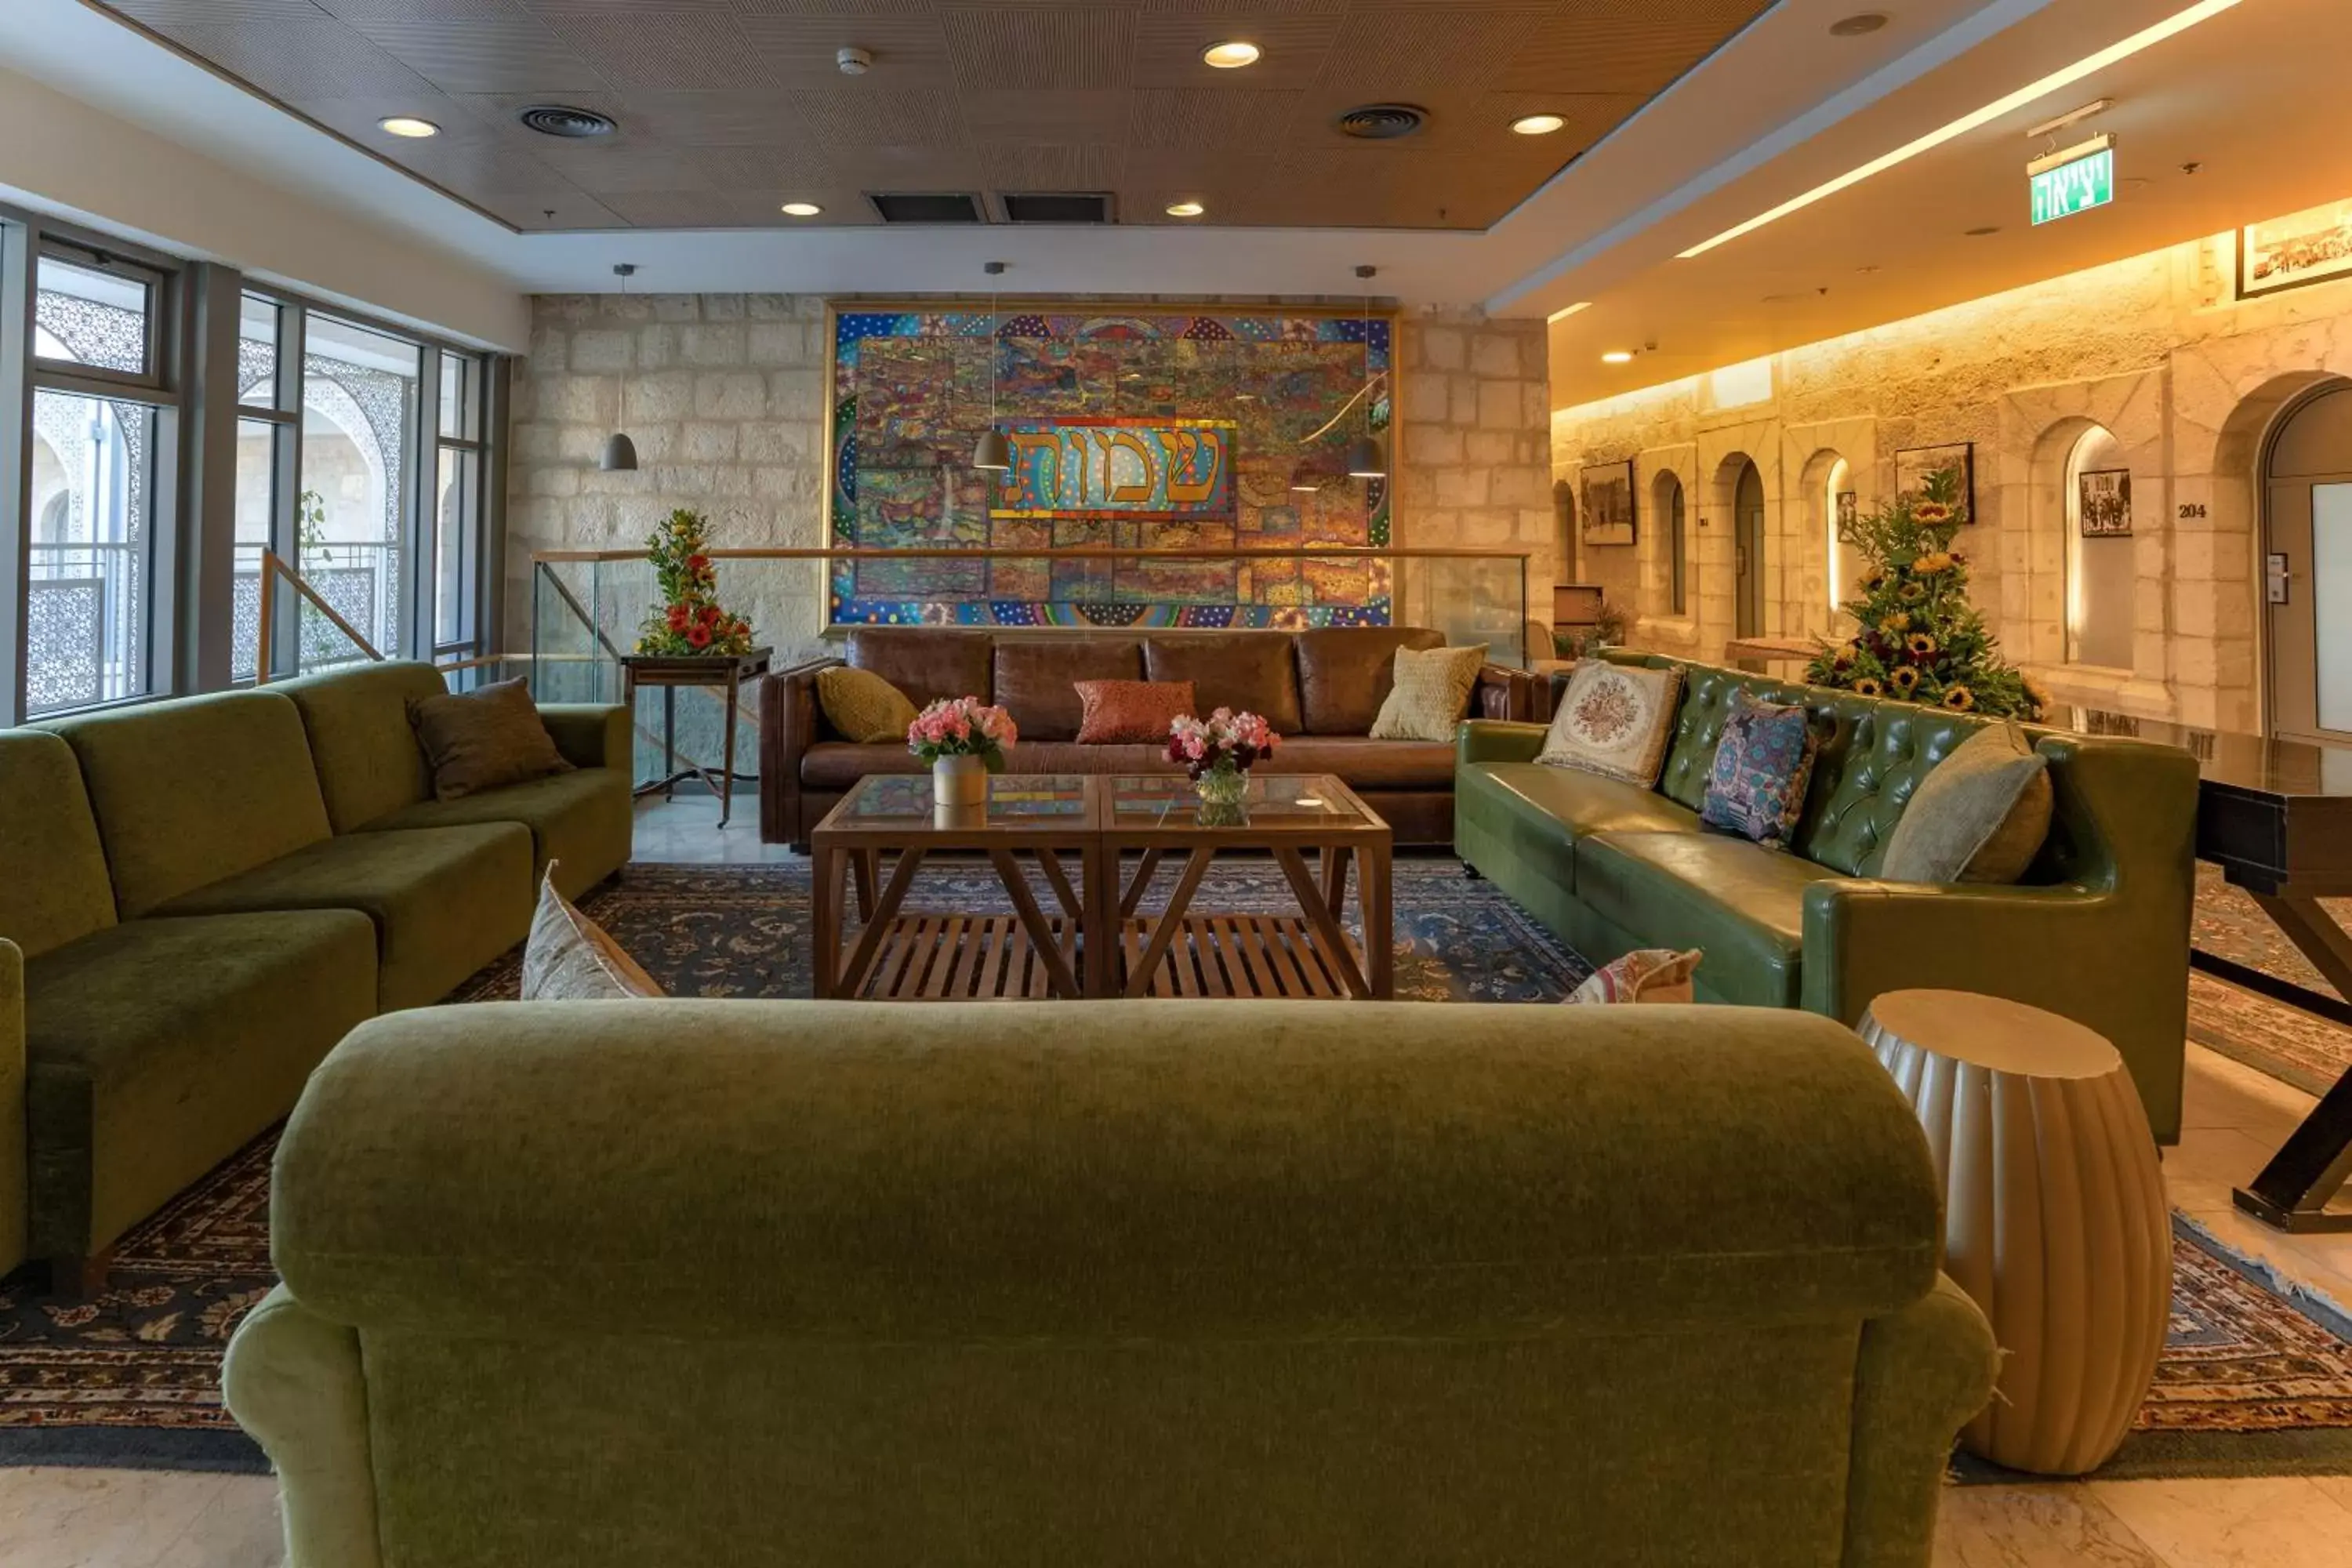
1135, 431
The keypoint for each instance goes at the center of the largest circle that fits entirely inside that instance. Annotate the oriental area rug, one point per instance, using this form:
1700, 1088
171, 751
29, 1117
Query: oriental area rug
2257, 1376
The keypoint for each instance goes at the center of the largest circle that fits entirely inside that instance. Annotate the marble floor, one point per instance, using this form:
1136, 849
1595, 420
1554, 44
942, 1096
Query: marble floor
2235, 1117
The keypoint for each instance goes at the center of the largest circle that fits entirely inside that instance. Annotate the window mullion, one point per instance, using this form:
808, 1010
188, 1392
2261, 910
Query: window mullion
17, 243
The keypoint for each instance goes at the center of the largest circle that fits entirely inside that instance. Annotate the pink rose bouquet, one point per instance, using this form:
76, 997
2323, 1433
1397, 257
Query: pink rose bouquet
961, 727
1225, 742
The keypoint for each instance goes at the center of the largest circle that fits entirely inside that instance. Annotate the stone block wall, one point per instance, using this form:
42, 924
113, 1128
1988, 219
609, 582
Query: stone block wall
2155, 350
724, 395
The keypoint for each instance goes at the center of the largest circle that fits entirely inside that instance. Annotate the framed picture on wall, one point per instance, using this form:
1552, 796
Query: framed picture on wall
2308, 246
1915, 466
2102, 501
1849, 508
1609, 503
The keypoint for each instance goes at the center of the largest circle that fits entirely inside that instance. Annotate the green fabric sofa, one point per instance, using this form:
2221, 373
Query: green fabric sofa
827, 1284
2096, 931
197, 928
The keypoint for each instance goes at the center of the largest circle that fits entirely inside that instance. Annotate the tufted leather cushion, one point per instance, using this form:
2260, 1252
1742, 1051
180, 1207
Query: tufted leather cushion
927, 663
1876, 756
1036, 678
1345, 674
1247, 672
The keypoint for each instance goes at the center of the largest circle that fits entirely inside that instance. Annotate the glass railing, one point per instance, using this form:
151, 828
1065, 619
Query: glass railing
587, 607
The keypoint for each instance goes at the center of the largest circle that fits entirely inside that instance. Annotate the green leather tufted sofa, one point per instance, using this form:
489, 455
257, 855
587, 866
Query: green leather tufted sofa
2097, 930
198, 898
825, 1285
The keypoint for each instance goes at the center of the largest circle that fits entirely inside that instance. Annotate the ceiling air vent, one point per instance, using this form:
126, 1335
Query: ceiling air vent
898, 207
563, 119
1383, 121
1057, 207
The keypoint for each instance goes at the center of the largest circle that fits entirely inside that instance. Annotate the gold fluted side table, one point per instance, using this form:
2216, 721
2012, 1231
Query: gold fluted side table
2054, 1215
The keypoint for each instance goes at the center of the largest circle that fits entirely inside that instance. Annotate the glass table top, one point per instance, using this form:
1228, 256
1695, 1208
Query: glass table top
1283, 799
1027, 799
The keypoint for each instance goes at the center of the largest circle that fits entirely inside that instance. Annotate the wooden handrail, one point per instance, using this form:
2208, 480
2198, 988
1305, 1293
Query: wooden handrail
994, 553
272, 565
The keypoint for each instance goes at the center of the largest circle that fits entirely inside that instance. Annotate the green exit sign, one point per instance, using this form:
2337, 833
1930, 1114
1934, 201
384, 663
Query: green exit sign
2074, 181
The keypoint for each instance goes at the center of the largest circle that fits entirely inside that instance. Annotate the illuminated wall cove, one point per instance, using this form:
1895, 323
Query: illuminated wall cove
1161, 430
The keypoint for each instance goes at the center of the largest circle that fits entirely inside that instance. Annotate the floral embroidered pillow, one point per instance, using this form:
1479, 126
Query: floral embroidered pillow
1644, 974
1762, 763
1615, 720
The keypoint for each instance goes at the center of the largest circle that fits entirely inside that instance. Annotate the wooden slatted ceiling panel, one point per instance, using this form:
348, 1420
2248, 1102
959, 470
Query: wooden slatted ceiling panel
728, 108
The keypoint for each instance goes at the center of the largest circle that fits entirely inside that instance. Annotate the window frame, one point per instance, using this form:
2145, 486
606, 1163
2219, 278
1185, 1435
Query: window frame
24, 374
187, 640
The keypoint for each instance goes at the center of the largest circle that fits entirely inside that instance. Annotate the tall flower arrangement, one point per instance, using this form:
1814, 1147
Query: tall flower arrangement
688, 620
1917, 636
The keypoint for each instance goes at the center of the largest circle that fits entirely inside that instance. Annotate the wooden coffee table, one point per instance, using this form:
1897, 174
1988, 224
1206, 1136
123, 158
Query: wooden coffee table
1102, 943
1181, 952
929, 956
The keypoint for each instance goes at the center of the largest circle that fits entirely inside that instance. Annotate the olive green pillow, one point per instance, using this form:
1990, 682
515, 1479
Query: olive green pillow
1431, 694
483, 740
861, 706
1980, 816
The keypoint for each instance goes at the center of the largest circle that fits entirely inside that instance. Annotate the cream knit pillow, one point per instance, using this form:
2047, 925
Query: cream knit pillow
1431, 694
568, 957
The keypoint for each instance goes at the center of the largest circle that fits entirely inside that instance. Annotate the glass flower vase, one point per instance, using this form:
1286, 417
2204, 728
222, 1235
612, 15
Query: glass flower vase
1224, 784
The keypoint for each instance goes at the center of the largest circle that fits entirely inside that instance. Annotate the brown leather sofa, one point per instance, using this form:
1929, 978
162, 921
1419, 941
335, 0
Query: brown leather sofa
1320, 690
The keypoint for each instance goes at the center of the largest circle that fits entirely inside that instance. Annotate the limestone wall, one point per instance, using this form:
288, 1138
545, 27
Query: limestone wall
2154, 349
725, 397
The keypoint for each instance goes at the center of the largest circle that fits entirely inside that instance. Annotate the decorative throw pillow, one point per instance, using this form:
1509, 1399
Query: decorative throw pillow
1616, 718
1644, 974
481, 739
1431, 694
1133, 710
568, 957
1762, 763
1980, 816
861, 706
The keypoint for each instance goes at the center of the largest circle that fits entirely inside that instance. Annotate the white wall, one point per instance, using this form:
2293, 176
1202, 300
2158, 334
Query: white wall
61, 156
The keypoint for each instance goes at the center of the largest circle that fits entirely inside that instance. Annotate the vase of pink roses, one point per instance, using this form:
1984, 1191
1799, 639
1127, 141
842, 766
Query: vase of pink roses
964, 740
1217, 752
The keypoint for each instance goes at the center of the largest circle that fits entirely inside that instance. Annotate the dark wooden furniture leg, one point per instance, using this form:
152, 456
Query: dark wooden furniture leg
2292, 1191
727, 768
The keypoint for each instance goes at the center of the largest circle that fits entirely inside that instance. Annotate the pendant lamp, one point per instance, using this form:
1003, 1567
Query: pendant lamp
1365, 459
619, 453
995, 454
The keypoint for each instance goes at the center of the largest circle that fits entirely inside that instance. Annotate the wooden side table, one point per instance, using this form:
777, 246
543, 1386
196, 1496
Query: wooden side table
2054, 1216
671, 671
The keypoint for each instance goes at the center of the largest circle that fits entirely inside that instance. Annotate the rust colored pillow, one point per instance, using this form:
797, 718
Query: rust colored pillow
1137, 711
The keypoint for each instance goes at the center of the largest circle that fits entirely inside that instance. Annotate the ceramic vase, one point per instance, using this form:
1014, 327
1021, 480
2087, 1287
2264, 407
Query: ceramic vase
961, 780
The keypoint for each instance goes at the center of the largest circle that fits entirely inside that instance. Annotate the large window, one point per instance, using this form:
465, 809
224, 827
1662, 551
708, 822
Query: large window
147, 473
99, 412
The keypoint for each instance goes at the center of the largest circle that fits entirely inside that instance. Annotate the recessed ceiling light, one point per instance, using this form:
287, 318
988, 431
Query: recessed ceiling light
2123, 48
1618, 356
1231, 55
409, 125
1538, 124
1565, 311
801, 209
1185, 209
1855, 27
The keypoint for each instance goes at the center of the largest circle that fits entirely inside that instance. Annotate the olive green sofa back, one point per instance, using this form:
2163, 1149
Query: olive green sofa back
16, 1207
53, 880
198, 789
366, 749
822, 1284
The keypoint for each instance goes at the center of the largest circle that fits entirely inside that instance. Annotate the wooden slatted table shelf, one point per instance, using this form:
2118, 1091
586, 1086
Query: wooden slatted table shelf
937, 957
1239, 955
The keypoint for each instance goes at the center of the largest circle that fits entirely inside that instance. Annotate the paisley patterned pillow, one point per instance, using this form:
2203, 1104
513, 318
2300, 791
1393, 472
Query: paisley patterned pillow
1614, 719
1762, 767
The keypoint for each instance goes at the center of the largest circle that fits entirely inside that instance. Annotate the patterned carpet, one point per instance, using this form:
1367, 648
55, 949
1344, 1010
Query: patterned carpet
2257, 1377
2288, 1043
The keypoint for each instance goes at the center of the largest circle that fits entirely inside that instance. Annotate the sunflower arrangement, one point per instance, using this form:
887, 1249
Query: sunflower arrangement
688, 620
1919, 638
